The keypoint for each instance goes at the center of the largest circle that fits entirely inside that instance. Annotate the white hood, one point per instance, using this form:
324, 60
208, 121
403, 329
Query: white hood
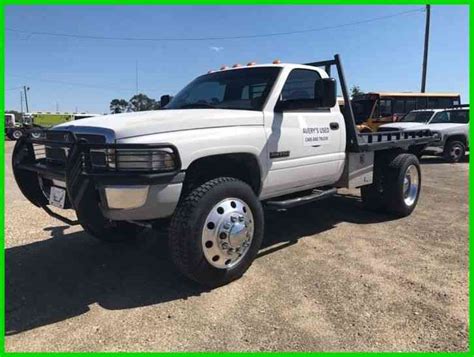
405, 126
160, 121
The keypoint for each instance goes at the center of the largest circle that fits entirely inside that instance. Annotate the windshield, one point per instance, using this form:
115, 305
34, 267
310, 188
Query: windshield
417, 117
245, 89
362, 109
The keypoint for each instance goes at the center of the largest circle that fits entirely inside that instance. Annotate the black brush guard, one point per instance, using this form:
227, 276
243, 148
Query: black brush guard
79, 174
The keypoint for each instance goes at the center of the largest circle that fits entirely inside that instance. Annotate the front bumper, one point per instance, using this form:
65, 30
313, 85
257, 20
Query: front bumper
119, 195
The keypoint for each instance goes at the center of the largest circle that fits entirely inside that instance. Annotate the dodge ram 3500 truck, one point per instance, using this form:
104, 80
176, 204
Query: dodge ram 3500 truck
231, 143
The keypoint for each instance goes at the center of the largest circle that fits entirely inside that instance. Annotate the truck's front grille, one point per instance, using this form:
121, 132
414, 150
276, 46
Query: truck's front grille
57, 155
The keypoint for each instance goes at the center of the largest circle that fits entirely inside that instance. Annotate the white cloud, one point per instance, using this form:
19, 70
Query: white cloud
216, 49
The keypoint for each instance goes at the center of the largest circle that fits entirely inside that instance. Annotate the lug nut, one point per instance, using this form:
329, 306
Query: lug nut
241, 218
223, 235
230, 250
233, 218
226, 226
225, 245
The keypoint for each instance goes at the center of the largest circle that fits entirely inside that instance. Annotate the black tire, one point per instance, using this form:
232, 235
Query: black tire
95, 224
16, 134
185, 240
387, 193
36, 134
454, 151
395, 200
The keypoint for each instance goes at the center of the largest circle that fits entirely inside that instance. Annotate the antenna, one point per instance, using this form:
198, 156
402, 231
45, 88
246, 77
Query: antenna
136, 76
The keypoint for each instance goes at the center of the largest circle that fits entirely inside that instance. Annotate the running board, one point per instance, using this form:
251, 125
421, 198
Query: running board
316, 195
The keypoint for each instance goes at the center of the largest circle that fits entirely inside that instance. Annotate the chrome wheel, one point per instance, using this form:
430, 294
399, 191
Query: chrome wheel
227, 233
411, 184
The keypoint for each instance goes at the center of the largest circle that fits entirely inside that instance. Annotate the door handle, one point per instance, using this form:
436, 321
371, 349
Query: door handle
334, 126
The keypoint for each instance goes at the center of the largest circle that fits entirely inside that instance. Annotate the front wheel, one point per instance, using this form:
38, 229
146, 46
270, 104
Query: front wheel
454, 151
216, 231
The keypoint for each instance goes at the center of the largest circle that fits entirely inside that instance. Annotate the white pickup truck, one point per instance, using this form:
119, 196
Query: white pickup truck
231, 143
449, 125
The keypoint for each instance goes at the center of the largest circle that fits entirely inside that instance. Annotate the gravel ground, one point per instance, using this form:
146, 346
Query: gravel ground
331, 277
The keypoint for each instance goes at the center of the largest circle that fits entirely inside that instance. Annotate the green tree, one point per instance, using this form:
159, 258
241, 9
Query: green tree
141, 102
355, 90
118, 106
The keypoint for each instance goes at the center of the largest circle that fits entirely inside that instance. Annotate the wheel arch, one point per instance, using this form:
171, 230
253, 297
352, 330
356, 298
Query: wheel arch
457, 137
241, 165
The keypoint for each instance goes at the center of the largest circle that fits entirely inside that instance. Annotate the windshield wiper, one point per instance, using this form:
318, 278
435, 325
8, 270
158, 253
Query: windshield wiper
197, 105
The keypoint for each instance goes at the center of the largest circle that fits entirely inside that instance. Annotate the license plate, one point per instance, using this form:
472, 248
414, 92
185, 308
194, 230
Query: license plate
57, 196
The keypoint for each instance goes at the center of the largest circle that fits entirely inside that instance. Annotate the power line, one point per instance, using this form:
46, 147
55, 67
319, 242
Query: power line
235, 37
69, 83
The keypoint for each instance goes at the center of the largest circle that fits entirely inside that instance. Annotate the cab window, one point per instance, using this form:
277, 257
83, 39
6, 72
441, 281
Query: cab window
299, 89
440, 118
459, 116
451, 117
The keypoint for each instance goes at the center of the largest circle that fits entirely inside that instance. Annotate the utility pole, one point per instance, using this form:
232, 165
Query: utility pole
425, 54
25, 89
21, 101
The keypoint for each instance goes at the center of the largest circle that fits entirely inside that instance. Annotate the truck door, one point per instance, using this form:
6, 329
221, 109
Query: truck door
306, 144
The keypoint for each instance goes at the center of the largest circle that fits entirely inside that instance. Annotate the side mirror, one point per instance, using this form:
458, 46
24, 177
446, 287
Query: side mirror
325, 90
165, 99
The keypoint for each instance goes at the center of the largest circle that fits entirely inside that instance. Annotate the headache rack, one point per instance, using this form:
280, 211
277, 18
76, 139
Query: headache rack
359, 142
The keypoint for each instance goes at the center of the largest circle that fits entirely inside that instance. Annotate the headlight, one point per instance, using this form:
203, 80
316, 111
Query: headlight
146, 160
436, 135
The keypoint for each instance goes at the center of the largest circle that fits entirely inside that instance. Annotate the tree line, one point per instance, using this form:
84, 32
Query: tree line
138, 103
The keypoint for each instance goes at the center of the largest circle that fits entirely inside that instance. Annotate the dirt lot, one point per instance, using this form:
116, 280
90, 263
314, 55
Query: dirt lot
331, 277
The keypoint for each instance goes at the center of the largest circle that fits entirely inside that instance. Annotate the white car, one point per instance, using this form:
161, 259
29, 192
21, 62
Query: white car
450, 126
229, 144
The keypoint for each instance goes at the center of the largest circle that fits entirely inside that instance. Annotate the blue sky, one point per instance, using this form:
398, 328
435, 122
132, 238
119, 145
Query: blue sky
87, 74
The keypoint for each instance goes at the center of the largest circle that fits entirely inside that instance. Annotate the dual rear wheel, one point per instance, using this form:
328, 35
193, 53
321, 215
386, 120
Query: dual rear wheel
396, 186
